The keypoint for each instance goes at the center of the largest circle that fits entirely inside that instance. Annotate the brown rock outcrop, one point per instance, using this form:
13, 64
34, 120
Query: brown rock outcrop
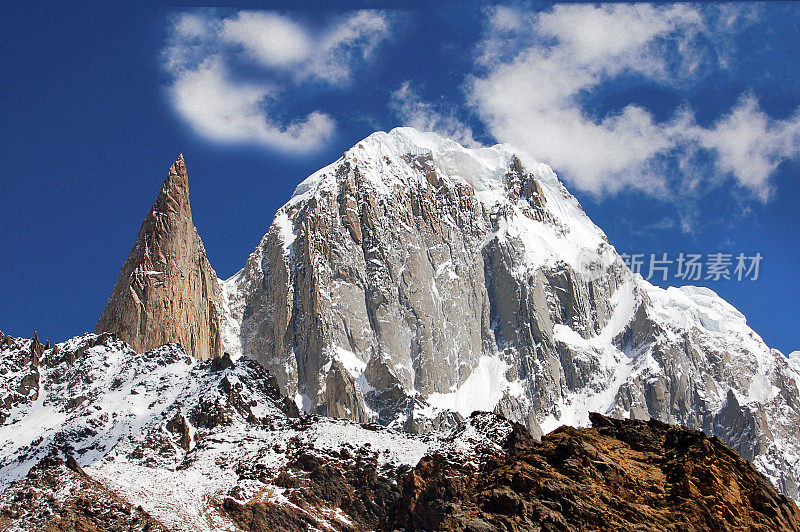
618, 475
167, 290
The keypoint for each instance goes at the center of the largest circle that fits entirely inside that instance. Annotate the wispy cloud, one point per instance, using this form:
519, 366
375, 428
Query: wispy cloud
414, 111
536, 69
229, 74
750, 145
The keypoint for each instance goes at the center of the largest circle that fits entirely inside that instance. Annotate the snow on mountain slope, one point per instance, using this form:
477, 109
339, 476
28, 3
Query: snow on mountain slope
458, 278
178, 436
380, 157
60, 496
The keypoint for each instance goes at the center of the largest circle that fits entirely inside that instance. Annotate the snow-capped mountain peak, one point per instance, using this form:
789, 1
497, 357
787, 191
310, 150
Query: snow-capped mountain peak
414, 279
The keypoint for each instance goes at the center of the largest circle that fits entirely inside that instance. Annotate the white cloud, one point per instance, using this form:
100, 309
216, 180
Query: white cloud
537, 70
228, 75
225, 111
415, 112
351, 40
275, 40
750, 145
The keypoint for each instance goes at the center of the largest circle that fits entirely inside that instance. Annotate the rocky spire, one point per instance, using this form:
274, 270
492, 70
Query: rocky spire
167, 290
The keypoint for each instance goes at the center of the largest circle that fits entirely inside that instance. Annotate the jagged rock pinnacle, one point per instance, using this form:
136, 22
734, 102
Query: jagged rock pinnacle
167, 290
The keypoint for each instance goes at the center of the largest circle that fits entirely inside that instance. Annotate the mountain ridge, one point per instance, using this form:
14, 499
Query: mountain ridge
414, 281
161, 440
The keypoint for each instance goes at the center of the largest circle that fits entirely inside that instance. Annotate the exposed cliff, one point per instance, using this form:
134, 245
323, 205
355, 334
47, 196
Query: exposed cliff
166, 290
413, 281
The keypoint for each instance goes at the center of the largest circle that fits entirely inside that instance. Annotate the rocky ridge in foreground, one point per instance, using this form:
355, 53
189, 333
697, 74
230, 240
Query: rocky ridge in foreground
617, 475
161, 440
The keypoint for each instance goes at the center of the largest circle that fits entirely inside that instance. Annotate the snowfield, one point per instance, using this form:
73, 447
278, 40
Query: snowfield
177, 436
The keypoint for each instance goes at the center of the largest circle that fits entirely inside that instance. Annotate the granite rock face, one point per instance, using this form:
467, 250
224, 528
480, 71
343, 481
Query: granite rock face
414, 281
166, 290
386, 264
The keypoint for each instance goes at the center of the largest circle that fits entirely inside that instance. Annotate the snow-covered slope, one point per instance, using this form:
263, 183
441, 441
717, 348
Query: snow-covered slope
414, 280
179, 437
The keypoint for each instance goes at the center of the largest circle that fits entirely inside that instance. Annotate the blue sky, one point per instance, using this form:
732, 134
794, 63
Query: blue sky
676, 126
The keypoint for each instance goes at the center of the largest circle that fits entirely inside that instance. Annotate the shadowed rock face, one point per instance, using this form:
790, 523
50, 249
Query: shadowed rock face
167, 291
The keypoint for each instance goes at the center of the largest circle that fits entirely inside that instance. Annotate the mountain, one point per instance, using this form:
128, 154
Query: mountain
106, 438
332, 382
166, 290
414, 281
384, 271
